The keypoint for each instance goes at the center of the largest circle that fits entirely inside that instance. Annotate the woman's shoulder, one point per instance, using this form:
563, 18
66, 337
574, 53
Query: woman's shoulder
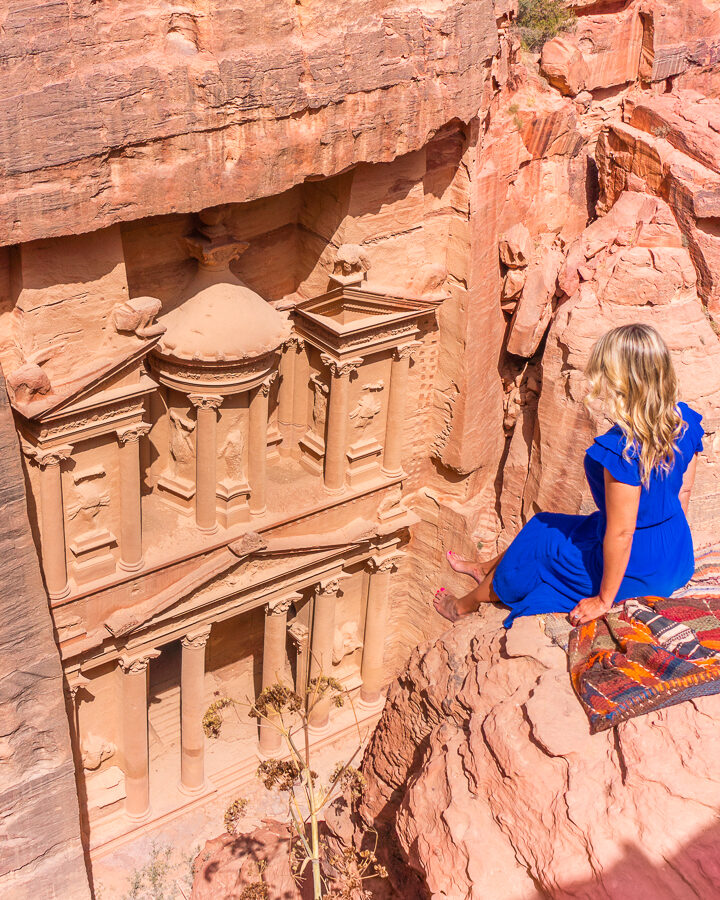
609, 449
615, 441
690, 416
694, 431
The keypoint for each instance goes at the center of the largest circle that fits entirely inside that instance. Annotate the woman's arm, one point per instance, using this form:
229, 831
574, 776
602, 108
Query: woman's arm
621, 501
688, 482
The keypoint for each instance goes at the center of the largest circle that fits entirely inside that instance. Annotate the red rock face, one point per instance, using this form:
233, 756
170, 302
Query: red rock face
230, 864
483, 781
114, 113
38, 793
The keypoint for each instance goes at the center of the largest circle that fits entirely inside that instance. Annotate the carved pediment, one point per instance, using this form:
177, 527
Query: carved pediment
94, 382
350, 316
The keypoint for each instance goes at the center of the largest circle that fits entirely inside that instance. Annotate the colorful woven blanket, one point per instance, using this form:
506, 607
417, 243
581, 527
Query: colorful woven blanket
650, 652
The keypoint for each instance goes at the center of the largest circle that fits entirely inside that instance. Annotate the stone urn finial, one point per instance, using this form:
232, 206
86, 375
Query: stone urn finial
211, 244
351, 265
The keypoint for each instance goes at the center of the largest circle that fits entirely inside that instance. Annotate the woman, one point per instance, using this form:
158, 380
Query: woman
640, 473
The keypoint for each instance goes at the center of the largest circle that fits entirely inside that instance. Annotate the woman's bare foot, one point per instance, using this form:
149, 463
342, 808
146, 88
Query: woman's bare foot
465, 567
450, 606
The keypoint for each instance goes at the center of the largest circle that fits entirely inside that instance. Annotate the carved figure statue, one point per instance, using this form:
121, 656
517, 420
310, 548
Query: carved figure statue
319, 406
88, 499
351, 264
182, 451
232, 451
136, 316
95, 750
29, 379
347, 641
367, 408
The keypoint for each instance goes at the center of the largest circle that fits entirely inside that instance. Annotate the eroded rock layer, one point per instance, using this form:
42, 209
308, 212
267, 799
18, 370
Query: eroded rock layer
484, 782
41, 854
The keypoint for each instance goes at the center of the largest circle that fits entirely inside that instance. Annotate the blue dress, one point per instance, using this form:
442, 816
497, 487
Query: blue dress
557, 559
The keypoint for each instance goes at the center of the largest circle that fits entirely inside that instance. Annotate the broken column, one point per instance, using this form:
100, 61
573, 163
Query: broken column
321, 645
274, 662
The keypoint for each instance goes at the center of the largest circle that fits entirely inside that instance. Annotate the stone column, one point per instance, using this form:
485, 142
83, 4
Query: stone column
286, 396
299, 636
257, 446
135, 732
376, 620
395, 423
274, 662
323, 636
192, 710
337, 424
131, 551
52, 518
301, 378
207, 406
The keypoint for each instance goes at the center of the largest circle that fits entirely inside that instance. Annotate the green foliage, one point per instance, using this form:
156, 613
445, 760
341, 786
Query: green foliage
539, 21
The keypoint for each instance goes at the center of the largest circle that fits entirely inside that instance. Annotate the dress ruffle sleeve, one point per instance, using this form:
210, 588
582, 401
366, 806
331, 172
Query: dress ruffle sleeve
695, 431
607, 450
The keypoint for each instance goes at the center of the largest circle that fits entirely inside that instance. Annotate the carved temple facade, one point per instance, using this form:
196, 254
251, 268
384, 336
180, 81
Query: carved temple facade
216, 493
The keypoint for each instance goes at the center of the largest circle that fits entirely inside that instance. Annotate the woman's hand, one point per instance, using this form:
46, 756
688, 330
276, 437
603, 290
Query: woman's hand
588, 609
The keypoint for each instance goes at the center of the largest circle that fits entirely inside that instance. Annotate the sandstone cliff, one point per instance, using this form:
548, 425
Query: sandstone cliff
111, 113
41, 855
484, 782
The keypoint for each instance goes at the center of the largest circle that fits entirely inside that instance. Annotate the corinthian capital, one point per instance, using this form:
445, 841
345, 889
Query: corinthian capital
47, 456
133, 663
339, 368
264, 387
281, 606
132, 432
407, 351
330, 585
295, 342
205, 401
197, 638
384, 564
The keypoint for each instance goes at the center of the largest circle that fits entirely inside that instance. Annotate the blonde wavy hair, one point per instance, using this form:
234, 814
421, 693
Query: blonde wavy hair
631, 371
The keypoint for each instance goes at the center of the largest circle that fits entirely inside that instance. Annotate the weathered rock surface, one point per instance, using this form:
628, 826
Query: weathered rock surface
484, 781
41, 855
668, 146
229, 864
614, 44
112, 114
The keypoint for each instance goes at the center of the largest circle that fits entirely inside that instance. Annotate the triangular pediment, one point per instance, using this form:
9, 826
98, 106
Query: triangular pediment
108, 377
351, 308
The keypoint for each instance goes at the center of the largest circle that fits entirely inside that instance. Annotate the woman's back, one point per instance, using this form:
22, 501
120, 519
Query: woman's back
659, 500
